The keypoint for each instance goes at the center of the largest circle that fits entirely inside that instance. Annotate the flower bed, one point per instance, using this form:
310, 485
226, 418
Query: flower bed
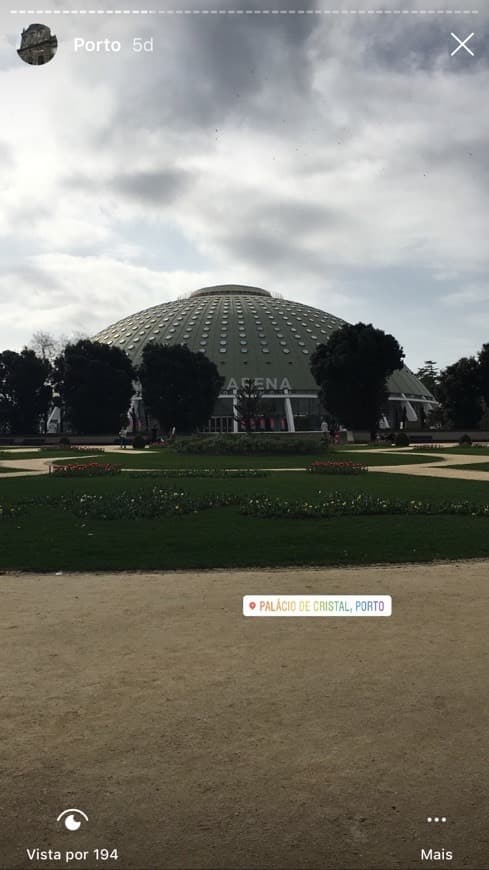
8, 511
336, 504
213, 473
245, 445
88, 469
332, 467
158, 502
143, 504
90, 450
441, 446
72, 448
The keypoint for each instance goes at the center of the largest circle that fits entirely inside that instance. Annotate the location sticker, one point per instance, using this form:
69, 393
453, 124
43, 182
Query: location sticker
317, 605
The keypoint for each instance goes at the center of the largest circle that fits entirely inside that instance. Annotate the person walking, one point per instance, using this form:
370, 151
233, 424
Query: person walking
123, 438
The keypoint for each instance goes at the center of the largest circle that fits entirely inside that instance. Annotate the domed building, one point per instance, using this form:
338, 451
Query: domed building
249, 333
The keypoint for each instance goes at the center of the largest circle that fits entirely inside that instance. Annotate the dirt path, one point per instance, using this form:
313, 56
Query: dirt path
36, 466
195, 738
437, 470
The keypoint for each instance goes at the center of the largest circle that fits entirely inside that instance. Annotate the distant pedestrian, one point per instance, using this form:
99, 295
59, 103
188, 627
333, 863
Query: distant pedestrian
123, 438
324, 428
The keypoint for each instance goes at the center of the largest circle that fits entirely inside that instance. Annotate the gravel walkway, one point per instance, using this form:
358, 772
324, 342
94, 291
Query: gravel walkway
193, 737
36, 466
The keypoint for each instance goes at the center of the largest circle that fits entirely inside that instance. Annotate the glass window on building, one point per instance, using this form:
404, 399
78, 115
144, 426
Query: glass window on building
307, 413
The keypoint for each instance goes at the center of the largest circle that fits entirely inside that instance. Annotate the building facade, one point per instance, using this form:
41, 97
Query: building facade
37, 45
248, 333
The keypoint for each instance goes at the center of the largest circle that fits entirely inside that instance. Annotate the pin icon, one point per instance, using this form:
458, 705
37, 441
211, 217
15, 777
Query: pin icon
252, 605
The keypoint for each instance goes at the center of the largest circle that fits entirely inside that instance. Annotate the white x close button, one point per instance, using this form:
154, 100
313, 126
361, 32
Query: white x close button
462, 43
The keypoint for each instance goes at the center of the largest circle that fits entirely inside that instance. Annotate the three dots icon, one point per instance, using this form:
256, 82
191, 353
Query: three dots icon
436, 819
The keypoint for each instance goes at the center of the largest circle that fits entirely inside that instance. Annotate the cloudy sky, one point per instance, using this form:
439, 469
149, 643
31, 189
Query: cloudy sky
339, 160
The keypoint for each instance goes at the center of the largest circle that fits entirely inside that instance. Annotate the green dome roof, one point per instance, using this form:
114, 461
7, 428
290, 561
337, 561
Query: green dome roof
247, 332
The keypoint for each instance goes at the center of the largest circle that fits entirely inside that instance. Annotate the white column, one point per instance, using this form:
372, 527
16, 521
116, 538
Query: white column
235, 406
289, 416
410, 412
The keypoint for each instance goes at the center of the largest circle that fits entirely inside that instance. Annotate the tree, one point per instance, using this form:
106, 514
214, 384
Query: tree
351, 370
429, 375
49, 346
484, 420
248, 403
437, 418
24, 394
483, 359
94, 382
180, 387
45, 345
459, 392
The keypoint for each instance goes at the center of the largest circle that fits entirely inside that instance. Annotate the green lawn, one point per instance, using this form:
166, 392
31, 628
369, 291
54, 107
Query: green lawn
19, 453
167, 458
463, 451
475, 466
49, 538
6, 468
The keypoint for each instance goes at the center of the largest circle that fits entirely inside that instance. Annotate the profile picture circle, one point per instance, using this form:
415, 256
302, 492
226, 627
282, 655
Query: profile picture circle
37, 45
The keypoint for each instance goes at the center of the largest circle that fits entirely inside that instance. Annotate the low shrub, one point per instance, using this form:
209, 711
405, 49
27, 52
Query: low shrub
145, 505
422, 448
248, 445
401, 439
332, 467
139, 442
336, 504
64, 441
465, 440
158, 502
88, 469
8, 511
213, 473
73, 448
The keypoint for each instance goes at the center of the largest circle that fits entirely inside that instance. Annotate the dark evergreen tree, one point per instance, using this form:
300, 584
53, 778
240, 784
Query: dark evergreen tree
248, 403
95, 383
483, 359
24, 393
429, 375
459, 392
351, 370
180, 387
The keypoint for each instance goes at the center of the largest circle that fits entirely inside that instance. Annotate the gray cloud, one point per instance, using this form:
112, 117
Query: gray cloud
6, 156
33, 281
213, 70
423, 43
152, 187
158, 186
337, 159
